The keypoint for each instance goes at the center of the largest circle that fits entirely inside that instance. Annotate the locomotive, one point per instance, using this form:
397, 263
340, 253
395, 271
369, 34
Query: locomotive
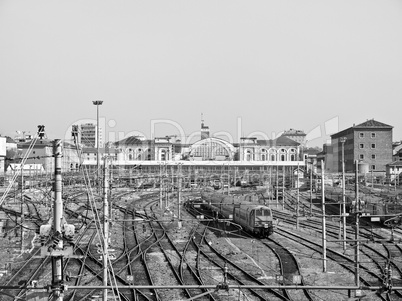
254, 218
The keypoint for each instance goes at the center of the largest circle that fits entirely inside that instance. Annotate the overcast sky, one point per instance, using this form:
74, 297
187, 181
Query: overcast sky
251, 67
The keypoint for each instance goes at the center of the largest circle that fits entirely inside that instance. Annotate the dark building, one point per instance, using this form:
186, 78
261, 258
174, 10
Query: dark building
369, 142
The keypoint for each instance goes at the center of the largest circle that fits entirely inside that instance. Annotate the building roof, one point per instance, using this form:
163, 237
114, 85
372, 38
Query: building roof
132, 140
371, 123
293, 132
280, 141
9, 140
38, 143
394, 163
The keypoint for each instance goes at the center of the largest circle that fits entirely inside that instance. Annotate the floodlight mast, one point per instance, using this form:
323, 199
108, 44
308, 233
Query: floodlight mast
97, 103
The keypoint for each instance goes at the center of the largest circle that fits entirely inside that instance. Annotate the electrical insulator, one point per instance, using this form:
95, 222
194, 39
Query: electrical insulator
69, 230
54, 243
43, 240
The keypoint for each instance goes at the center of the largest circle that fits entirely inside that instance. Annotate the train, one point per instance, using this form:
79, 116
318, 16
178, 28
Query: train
255, 218
383, 209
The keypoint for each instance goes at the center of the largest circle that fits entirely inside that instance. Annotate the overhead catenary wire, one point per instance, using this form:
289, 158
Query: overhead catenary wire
97, 218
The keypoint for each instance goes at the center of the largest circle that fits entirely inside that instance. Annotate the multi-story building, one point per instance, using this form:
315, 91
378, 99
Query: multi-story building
369, 142
41, 155
297, 135
88, 135
279, 149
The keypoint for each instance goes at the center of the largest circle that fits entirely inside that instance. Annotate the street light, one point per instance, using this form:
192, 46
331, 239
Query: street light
343, 140
97, 103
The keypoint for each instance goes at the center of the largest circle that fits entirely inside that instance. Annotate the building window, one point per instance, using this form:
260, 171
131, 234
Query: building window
372, 145
373, 157
361, 156
372, 167
361, 135
372, 135
361, 145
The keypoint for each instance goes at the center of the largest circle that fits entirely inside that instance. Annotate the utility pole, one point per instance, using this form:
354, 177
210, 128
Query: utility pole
57, 261
228, 179
357, 215
179, 195
283, 186
311, 189
298, 198
343, 140
324, 238
160, 186
105, 225
22, 220
277, 188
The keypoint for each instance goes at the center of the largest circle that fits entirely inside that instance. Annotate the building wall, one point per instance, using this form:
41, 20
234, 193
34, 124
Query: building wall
88, 135
374, 147
358, 146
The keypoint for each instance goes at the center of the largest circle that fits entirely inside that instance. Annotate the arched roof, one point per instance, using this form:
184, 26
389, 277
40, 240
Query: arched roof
207, 141
230, 149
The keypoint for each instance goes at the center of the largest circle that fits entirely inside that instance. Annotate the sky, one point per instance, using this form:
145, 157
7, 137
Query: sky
251, 68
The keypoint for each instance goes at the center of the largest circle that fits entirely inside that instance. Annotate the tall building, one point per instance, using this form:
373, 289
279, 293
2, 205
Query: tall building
369, 142
88, 135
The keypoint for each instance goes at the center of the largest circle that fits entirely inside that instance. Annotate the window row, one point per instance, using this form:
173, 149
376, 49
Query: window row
361, 145
372, 135
373, 157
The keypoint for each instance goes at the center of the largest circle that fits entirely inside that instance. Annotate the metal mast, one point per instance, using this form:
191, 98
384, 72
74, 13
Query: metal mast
105, 226
57, 261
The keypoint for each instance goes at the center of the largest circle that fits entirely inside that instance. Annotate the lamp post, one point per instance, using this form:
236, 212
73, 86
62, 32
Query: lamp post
343, 140
97, 103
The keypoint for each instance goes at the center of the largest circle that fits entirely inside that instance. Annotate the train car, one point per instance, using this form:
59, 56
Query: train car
253, 217
385, 210
382, 210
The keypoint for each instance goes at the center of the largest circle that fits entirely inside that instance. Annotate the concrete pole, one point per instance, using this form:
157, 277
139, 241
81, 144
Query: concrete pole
179, 196
283, 186
343, 193
22, 220
57, 261
357, 212
160, 186
298, 198
324, 238
311, 189
105, 226
228, 179
277, 184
